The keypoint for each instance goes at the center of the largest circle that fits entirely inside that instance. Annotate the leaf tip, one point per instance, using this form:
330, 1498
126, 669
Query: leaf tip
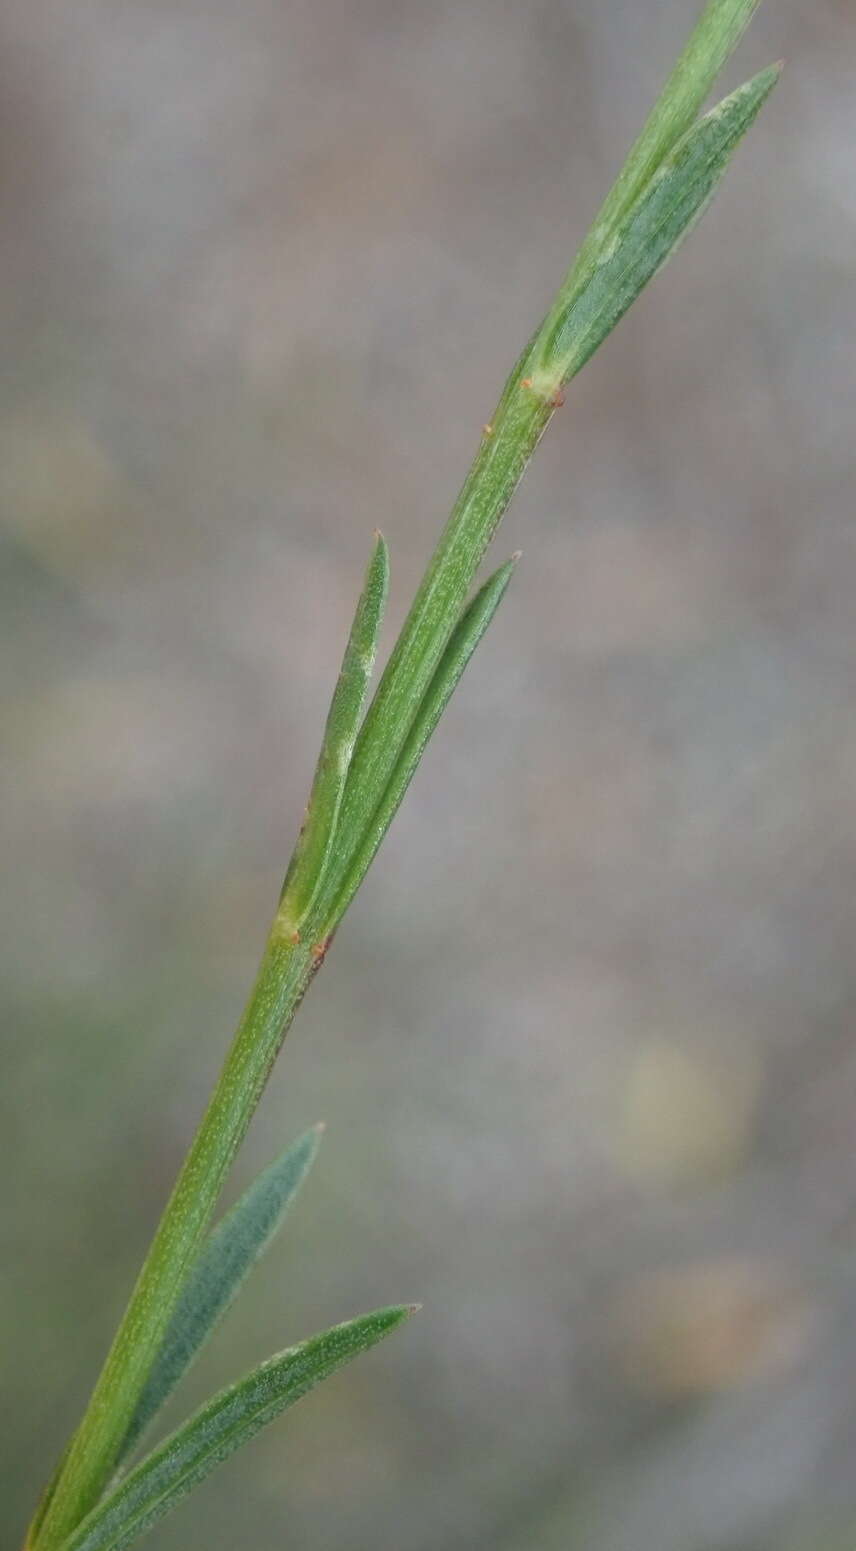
379, 562
766, 79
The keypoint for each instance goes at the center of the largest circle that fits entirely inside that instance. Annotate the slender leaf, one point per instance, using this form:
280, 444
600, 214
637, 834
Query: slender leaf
227, 1422
669, 207
715, 36
306, 872
463, 642
225, 1260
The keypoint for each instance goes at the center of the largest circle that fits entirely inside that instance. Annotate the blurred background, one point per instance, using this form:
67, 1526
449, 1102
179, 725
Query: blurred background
586, 1044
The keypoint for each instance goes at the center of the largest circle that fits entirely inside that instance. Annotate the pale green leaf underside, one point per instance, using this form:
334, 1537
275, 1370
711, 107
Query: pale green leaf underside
312, 854
231, 1419
462, 643
715, 36
665, 212
225, 1260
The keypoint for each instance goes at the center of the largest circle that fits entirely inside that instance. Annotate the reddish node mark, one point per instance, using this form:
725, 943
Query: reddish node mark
556, 400
318, 952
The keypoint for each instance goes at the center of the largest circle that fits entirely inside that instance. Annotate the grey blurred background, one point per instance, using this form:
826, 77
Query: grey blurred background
586, 1043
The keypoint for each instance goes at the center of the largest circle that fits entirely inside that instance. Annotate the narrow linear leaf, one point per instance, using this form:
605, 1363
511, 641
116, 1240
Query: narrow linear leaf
669, 207
227, 1422
715, 36
225, 1260
306, 872
462, 643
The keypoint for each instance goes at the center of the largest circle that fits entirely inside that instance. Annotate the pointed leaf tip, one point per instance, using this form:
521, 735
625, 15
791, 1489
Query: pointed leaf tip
227, 1422
311, 859
667, 210
460, 647
380, 553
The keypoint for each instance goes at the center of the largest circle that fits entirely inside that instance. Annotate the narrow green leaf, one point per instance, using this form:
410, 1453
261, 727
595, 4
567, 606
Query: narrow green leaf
227, 1422
225, 1260
306, 871
714, 38
464, 639
669, 207
716, 35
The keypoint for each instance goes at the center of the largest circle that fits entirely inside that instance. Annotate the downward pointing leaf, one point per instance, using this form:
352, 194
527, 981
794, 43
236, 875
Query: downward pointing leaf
234, 1416
224, 1262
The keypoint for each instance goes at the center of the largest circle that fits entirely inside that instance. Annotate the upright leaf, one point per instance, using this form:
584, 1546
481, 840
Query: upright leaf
306, 871
666, 211
225, 1260
716, 34
227, 1422
464, 639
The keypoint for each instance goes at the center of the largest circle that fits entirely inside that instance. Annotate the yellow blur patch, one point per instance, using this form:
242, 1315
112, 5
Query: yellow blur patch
687, 1113
60, 495
709, 1327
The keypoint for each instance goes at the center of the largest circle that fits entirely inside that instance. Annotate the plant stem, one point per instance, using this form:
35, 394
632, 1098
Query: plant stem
284, 974
288, 965
666, 183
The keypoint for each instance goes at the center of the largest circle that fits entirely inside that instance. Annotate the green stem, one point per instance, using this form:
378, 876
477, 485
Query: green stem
666, 183
287, 968
288, 965
284, 974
